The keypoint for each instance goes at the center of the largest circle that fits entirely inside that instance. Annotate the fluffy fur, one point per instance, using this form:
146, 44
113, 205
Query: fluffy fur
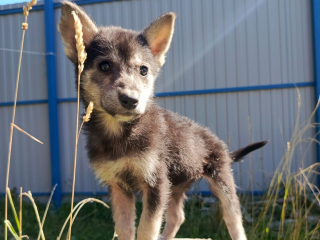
135, 145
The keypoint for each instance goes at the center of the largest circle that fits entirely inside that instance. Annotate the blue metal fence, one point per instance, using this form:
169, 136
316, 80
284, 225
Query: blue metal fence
52, 99
316, 46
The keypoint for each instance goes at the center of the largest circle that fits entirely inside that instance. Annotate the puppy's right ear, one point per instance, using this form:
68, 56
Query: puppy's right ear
159, 35
67, 30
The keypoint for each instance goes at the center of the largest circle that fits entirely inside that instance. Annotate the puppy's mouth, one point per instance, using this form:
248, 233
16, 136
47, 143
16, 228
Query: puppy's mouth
125, 116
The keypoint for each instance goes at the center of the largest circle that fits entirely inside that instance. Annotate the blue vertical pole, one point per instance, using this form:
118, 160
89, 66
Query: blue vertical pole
316, 52
52, 99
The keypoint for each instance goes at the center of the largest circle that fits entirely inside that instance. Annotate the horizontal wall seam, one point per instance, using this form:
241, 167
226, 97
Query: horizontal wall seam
187, 93
55, 5
27, 102
24, 52
236, 89
20, 10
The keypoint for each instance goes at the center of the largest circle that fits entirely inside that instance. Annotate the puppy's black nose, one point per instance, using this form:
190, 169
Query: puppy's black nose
128, 102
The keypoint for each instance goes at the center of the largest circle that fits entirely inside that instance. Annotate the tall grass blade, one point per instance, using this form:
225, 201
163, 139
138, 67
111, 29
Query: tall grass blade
115, 235
24, 28
77, 209
29, 195
20, 212
11, 229
82, 55
13, 209
46, 211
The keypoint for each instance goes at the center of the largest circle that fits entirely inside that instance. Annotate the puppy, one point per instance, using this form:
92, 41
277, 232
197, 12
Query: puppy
135, 145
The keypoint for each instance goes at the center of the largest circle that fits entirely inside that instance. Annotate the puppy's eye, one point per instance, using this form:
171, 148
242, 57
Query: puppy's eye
143, 70
104, 66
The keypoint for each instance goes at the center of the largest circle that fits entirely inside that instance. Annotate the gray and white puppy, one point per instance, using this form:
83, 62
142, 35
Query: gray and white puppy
135, 145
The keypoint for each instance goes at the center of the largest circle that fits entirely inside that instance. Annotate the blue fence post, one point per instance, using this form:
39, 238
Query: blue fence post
52, 99
316, 52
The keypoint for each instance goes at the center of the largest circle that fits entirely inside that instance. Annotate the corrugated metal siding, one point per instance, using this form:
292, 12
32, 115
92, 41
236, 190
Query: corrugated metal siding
241, 118
33, 69
30, 161
11, 6
217, 44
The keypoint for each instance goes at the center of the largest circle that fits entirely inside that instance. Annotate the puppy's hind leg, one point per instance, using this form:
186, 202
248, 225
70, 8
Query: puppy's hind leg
222, 185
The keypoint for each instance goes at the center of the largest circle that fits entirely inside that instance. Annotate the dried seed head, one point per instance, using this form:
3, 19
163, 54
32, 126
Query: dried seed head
29, 4
82, 55
89, 108
288, 146
25, 11
86, 118
24, 26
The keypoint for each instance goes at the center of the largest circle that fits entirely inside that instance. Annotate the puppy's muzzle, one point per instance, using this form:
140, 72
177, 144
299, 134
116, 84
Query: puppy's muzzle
128, 102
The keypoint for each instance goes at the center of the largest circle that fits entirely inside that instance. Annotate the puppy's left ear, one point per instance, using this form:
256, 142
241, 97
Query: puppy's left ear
159, 35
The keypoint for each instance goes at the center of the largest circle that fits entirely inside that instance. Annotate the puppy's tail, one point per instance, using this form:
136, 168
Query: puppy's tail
239, 154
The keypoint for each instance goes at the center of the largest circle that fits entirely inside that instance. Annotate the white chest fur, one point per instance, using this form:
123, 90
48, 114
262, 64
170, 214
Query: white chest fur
143, 168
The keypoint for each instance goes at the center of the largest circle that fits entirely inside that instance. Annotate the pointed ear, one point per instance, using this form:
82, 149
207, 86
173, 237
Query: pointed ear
67, 30
159, 35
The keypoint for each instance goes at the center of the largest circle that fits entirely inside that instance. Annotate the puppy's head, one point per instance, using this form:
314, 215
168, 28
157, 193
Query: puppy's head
122, 65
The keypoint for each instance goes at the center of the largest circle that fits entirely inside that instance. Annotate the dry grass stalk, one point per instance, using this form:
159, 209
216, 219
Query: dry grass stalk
29, 195
293, 186
82, 55
86, 117
20, 213
29, 135
114, 235
24, 28
77, 209
311, 187
47, 208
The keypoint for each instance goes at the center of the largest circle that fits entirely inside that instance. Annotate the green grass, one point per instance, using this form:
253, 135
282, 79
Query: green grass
94, 220
203, 220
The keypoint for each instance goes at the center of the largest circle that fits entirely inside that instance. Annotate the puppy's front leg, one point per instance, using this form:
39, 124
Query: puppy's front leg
154, 202
123, 209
